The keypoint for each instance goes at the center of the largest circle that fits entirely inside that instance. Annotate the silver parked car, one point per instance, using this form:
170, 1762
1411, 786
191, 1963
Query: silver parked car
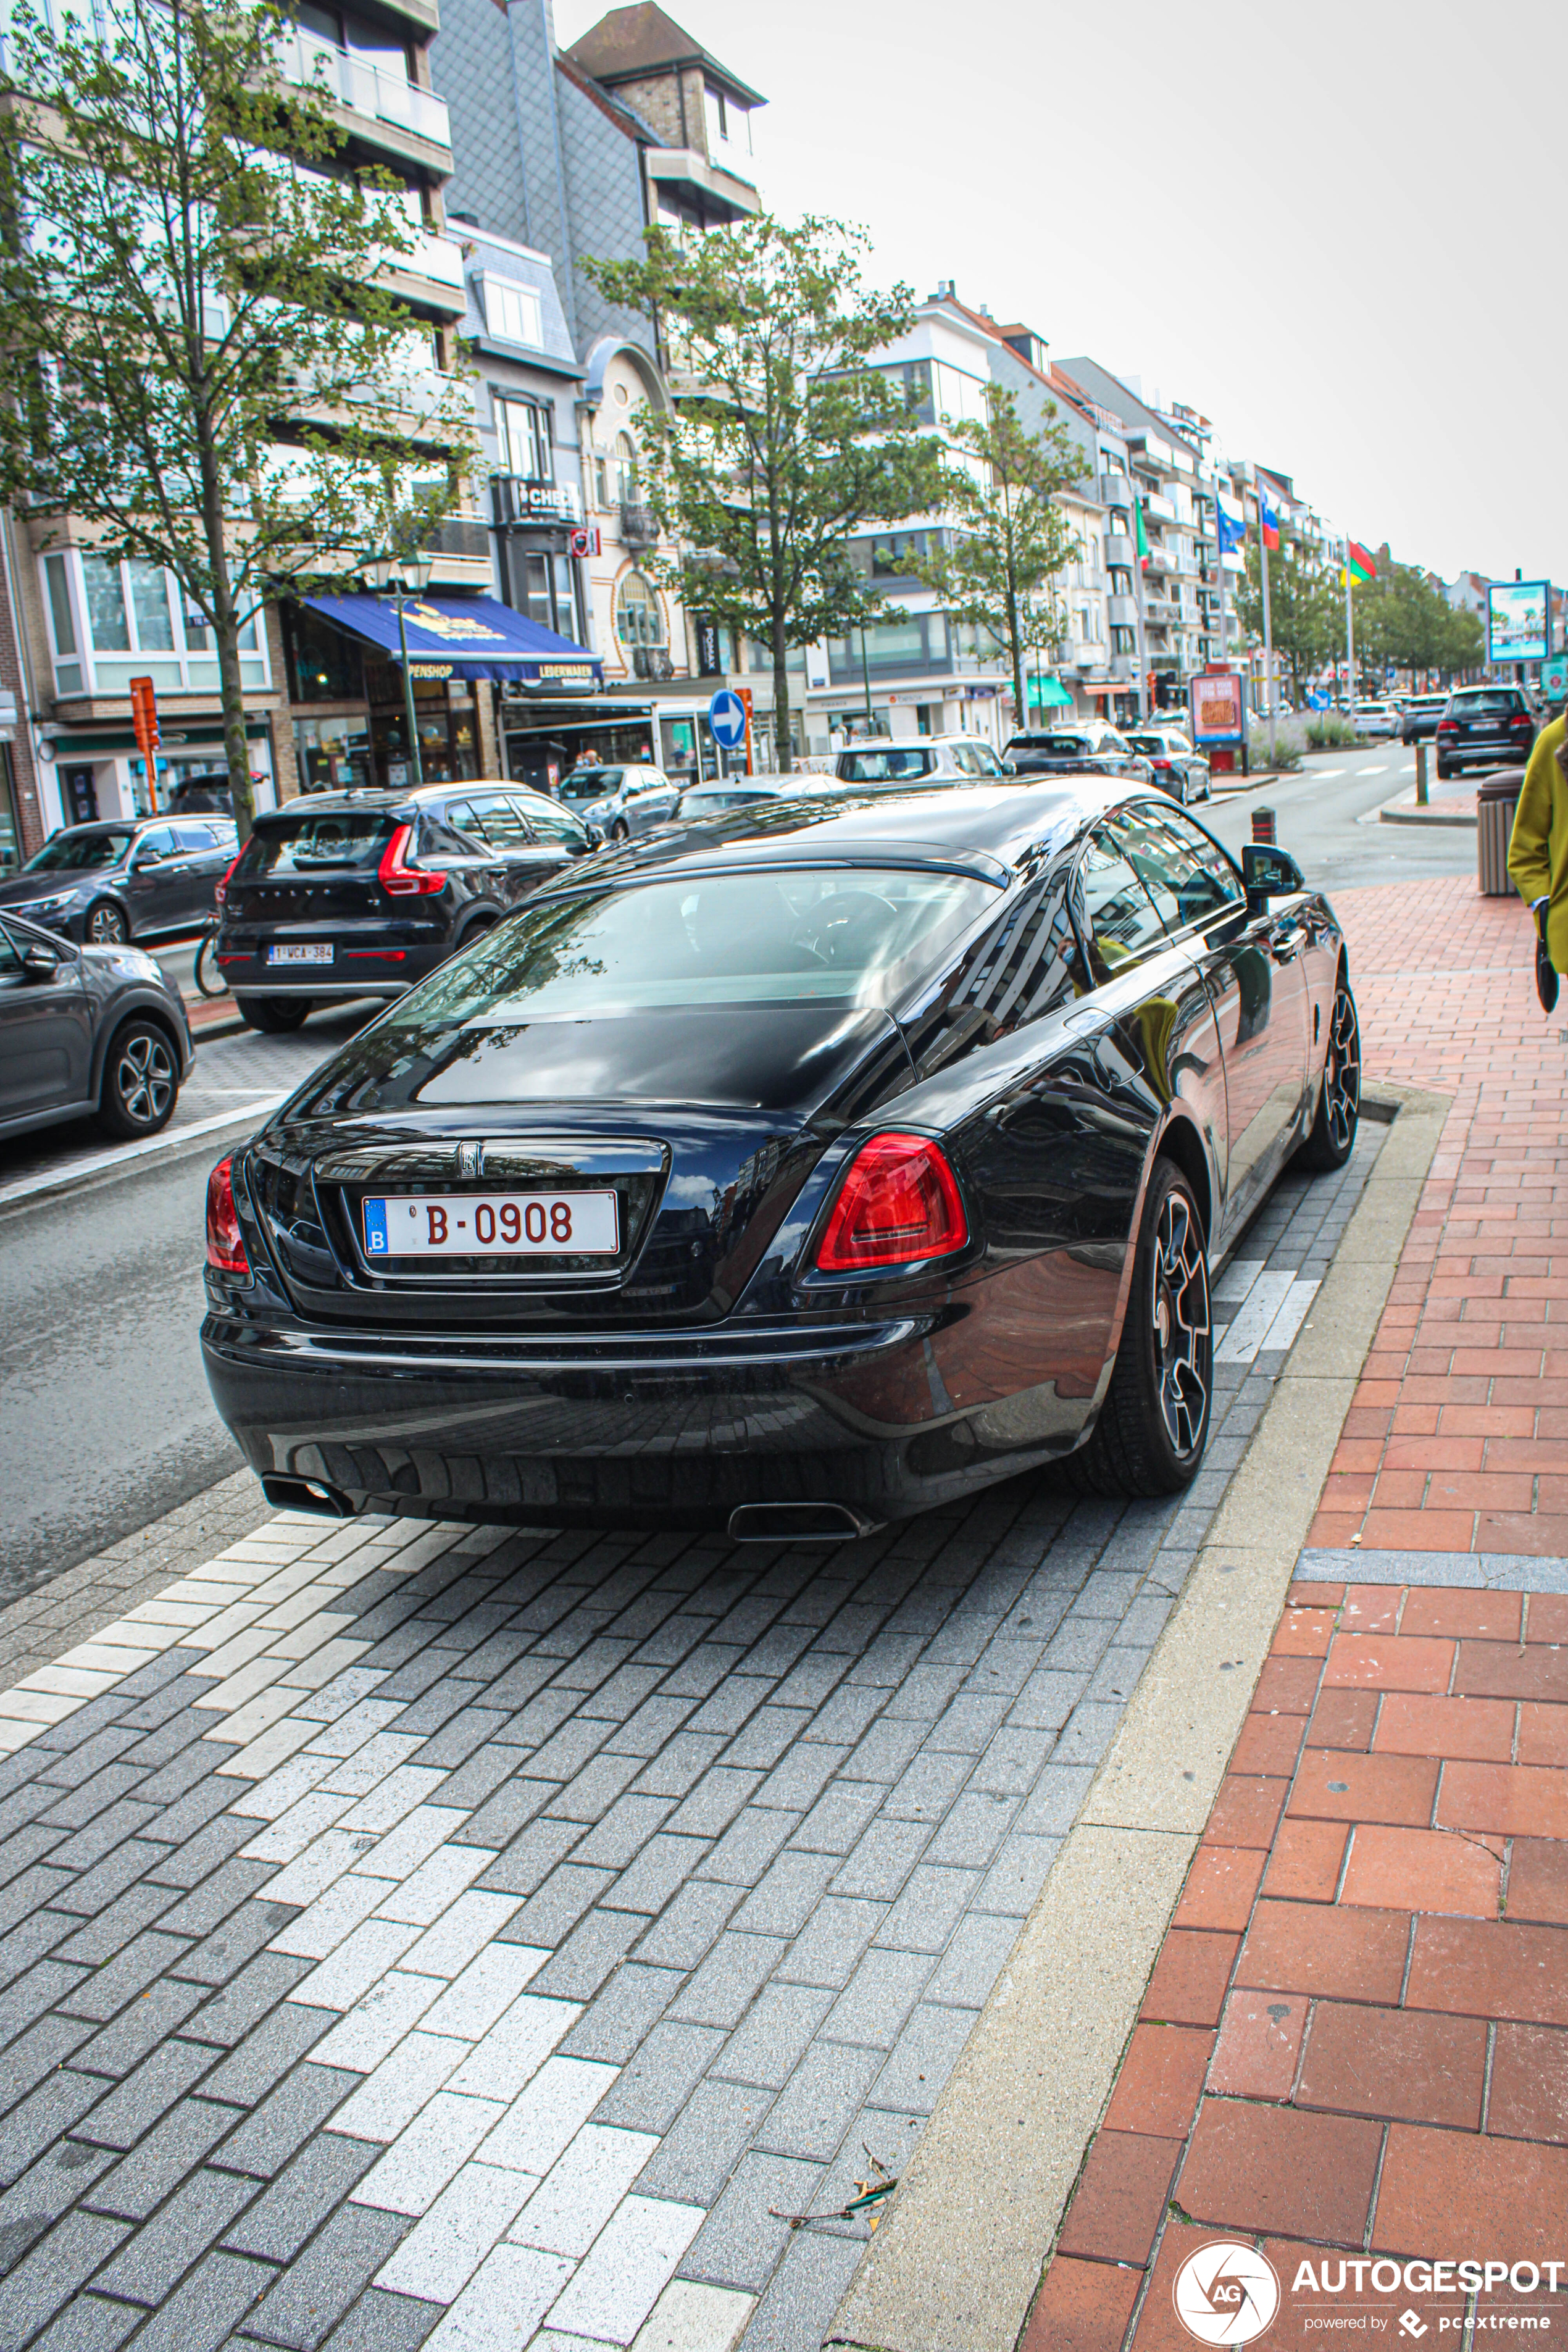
921, 760
616, 802
1179, 770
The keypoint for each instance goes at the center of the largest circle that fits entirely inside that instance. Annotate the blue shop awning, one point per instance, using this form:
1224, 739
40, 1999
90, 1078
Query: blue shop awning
464, 637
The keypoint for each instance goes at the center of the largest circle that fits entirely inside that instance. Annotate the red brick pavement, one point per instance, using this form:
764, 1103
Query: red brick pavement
1457, 1440
1355, 2039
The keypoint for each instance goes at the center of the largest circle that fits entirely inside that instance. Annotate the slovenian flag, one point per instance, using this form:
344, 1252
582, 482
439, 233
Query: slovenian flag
1269, 521
1363, 567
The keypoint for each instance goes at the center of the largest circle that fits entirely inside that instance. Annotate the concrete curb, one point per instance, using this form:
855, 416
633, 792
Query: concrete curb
957, 2263
1397, 815
133, 1156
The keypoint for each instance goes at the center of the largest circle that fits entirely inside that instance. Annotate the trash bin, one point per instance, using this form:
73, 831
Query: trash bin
1495, 804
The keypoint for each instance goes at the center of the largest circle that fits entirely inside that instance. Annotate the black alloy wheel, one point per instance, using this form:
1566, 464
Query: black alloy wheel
1153, 1426
1333, 1130
106, 925
273, 1016
141, 1081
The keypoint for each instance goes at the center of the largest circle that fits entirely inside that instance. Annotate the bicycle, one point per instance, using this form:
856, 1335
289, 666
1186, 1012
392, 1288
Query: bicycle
210, 981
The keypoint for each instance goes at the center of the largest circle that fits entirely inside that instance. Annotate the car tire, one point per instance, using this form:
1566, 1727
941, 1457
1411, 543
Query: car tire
141, 1081
1153, 1426
620, 830
1444, 772
273, 1016
475, 930
1332, 1136
106, 926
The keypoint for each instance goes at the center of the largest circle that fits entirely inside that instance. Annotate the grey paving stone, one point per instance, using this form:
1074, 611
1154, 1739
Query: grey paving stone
264, 2144
531, 1855
840, 1817
278, 2224
121, 1978
230, 2015
873, 2005
595, 1945
139, 2183
549, 1916
678, 1768
380, 2322
41, 2118
243, 1934
812, 2111
702, 2146
592, 1793
654, 2087
973, 1961
60, 2178
620, 1837
1090, 1730
655, 1874
748, 1845
51, 2272
312, 2294
90, 2323
267, 2053
189, 1864
777, 2030
744, 2236
148, 2268
20, 1901
616, 2021
166, 2074
881, 1859
796, 2311
729, 1978
139, 2028
214, 2299
931, 1908
211, 1903
713, 1803
35, 2054
922, 2058
769, 1734
973, 1829
824, 1953
787, 1892
684, 1932
847, 1713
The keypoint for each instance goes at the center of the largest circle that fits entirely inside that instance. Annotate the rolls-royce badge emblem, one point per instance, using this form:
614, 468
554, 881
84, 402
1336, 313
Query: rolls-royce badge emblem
470, 1159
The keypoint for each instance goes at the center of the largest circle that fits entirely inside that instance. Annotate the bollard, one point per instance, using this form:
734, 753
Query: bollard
1420, 771
1263, 826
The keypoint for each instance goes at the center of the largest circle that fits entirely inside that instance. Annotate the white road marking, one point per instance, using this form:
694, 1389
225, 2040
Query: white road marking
1245, 1336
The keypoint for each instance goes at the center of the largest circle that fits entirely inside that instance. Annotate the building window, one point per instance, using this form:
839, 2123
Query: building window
513, 312
113, 621
523, 428
624, 478
638, 620
729, 125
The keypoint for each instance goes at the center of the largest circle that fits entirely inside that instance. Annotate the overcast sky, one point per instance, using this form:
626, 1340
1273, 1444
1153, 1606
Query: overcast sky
1333, 230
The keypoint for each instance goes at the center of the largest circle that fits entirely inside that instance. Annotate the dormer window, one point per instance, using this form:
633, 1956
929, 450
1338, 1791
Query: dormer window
512, 312
729, 125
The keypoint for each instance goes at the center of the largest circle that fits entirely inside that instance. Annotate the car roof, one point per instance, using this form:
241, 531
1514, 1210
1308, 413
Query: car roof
386, 801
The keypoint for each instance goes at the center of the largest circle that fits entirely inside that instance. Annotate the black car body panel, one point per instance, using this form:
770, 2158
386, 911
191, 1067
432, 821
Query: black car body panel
159, 875
56, 1033
321, 921
1071, 1034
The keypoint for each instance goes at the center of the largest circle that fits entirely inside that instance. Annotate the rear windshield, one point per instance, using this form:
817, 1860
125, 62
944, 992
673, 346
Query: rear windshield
1052, 747
590, 783
852, 936
311, 843
79, 852
883, 766
1500, 704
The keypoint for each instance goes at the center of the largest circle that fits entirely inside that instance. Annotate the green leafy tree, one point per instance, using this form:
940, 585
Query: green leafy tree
1306, 608
202, 365
1012, 542
785, 439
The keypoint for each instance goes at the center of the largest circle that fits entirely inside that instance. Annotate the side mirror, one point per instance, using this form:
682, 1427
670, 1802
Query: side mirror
40, 962
147, 857
1270, 873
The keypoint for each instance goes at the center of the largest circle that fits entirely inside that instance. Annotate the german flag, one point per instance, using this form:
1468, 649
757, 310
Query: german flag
1362, 566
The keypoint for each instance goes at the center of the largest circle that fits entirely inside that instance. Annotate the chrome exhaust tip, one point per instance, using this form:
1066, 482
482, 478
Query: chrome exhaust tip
308, 1494
816, 1523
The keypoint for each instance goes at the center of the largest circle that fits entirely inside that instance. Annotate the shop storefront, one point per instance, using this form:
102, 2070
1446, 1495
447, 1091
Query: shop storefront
349, 708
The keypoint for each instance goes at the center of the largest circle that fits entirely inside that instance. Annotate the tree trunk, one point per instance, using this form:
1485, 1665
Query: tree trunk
225, 629
781, 738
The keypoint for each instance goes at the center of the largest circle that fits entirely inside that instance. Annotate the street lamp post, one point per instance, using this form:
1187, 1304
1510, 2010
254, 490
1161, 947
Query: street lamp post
402, 577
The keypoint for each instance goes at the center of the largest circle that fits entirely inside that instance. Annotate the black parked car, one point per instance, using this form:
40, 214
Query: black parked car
1091, 751
136, 879
1419, 715
353, 894
790, 1182
1485, 727
86, 1031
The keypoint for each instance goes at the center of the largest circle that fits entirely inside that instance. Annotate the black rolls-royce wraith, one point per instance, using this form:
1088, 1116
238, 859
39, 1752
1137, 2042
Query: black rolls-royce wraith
790, 1177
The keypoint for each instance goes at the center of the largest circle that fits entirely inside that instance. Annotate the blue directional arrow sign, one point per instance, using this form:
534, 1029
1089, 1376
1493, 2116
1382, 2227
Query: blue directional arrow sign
727, 718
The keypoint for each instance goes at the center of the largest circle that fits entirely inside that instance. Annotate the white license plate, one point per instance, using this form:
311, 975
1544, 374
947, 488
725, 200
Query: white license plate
322, 954
492, 1225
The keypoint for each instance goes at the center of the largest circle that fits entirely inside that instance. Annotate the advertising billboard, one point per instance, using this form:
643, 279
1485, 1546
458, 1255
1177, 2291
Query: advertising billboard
1217, 707
1518, 621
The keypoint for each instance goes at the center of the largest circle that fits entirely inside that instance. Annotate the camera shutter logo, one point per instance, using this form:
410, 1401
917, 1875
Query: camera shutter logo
1226, 2293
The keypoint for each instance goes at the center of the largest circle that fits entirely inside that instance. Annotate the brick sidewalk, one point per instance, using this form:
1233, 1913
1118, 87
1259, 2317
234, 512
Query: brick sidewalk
1352, 2042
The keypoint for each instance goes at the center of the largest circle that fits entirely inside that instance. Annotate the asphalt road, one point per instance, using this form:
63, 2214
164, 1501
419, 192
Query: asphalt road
106, 1422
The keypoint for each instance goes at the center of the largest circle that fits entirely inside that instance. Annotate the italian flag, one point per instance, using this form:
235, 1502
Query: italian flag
1361, 566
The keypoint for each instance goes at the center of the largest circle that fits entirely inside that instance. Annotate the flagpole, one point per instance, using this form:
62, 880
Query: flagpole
1268, 625
1349, 639
1219, 562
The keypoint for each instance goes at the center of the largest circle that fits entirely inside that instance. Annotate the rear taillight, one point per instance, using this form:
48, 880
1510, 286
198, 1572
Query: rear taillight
900, 1203
225, 1244
1161, 767
221, 893
1447, 726
401, 881
1523, 720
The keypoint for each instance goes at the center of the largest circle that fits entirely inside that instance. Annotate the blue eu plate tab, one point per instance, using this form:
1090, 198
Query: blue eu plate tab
376, 1228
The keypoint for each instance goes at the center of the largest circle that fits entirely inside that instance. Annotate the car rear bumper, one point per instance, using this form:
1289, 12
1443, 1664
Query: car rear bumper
638, 1430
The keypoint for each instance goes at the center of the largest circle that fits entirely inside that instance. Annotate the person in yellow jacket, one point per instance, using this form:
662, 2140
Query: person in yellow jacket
1538, 850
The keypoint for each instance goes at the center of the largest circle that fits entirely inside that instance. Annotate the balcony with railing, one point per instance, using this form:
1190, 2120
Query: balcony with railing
639, 524
363, 88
